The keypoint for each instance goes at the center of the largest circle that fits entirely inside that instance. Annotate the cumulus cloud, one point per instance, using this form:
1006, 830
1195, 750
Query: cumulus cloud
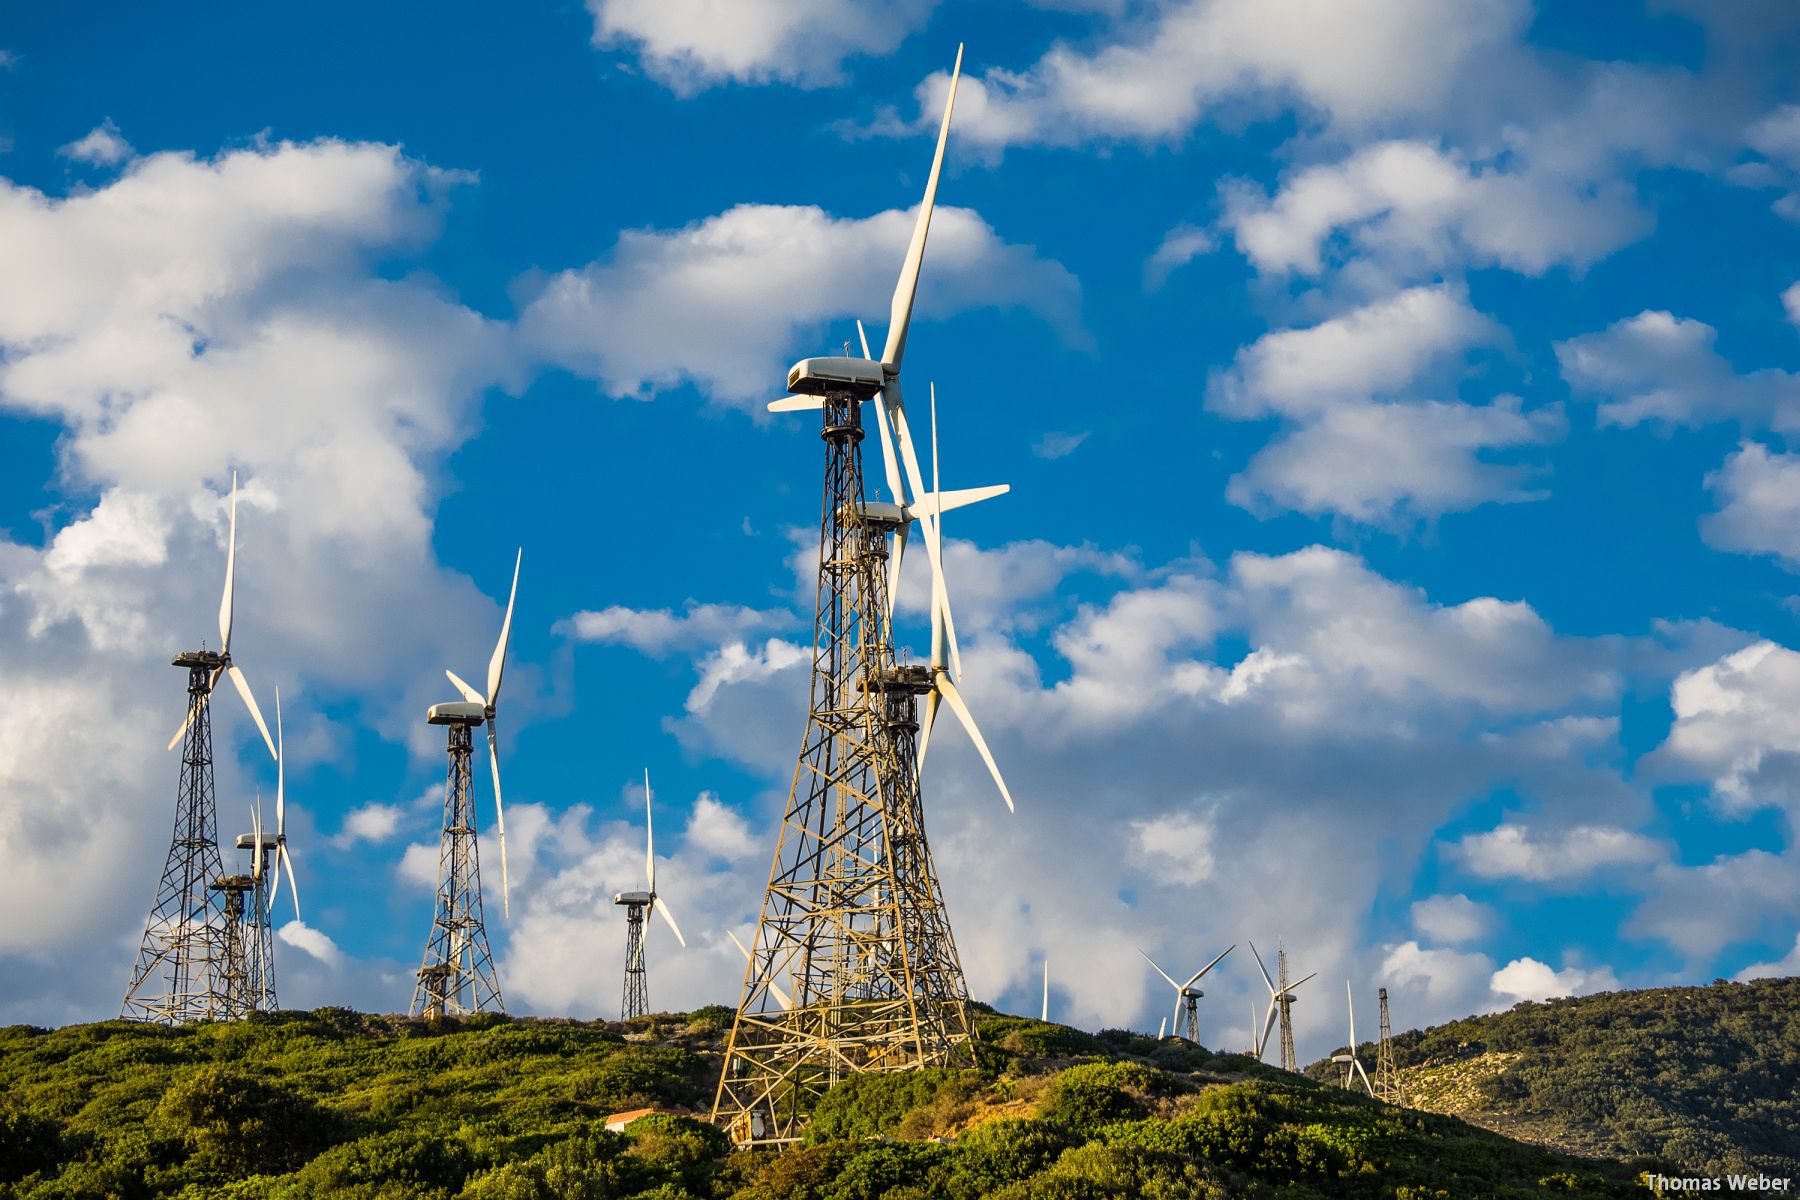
102, 146
691, 44
370, 823
1759, 504
728, 302
1703, 909
304, 937
660, 631
1780, 968
193, 316
1354, 65
1657, 368
1513, 851
1734, 727
1358, 440
1529, 979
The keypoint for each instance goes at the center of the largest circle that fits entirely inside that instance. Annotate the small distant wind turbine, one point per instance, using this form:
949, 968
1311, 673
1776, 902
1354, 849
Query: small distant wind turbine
278, 849
1187, 996
637, 906
1353, 1068
486, 706
1281, 1003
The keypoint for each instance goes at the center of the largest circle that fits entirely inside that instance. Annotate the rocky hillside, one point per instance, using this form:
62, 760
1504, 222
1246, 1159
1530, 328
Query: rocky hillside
1706, 1077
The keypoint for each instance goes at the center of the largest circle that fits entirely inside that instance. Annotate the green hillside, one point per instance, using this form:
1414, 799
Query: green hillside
336, 1104
1707, 1077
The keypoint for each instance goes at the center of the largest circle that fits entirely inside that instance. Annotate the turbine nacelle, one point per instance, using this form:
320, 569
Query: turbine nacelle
457, 712
862, 377
633, 898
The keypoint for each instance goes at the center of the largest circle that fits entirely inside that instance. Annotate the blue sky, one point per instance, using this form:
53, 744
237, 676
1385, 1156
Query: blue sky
1396, 404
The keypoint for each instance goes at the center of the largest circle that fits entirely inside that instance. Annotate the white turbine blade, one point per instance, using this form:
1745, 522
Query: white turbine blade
781, 997
934, 540
935, 502
225, 600
797, 404
274, 888
900, 312
1263, 969
1175, 1017
1046, 1016
931, 708
499, 823
192, 709
462, 685
961, 710
889, 463
1350, 999
662, 908
287, 860
243, 689
497, 664
1209, 966
1162, 1029
280, 773
1267, 1026
1365, 1076
897, 553
1159, 970
1298, 982
649, 840
256, 835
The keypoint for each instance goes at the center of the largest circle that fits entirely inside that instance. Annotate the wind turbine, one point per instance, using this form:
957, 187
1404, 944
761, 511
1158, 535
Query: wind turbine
186, 969
1281, 1003
1353, 1068
278, 849
457, 975
637, 905
268, 855
1187, 996
220, 662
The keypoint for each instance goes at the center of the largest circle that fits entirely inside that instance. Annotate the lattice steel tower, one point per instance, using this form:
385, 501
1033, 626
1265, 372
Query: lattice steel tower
176, 978
853, 915
457, 977
636, 1000
1286, 1000
1387, 1073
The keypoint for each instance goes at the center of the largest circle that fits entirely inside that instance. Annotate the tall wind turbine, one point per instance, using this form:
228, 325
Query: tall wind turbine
1187, 996
457, 976
877, 984
637, 905
183, 957
1353, 1068
1281, 1003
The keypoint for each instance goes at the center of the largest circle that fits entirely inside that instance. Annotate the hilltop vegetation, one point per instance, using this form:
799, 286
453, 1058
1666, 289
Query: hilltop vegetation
1707, 1077
336, 1104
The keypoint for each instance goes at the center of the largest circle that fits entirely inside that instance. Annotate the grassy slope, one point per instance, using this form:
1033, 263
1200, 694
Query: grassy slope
341, 1105
1707, 1077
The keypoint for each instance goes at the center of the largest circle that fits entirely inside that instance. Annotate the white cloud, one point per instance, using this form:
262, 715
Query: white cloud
1759, 510
728, 303
1512, 851
691, 44
1790, 300
370, 823
1428, 985
1781, 968
1359, 442
1662, 369
1180, 246
1529, 979
1734, 727
1176, 848
1417, 209
102, 146
193, 316
419, 865
660, 631
1058, 445
305, 937
720, 831
1357, 64
1705, 909
1451, 920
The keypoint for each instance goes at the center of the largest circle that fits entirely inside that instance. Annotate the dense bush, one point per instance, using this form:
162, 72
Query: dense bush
336, 1105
